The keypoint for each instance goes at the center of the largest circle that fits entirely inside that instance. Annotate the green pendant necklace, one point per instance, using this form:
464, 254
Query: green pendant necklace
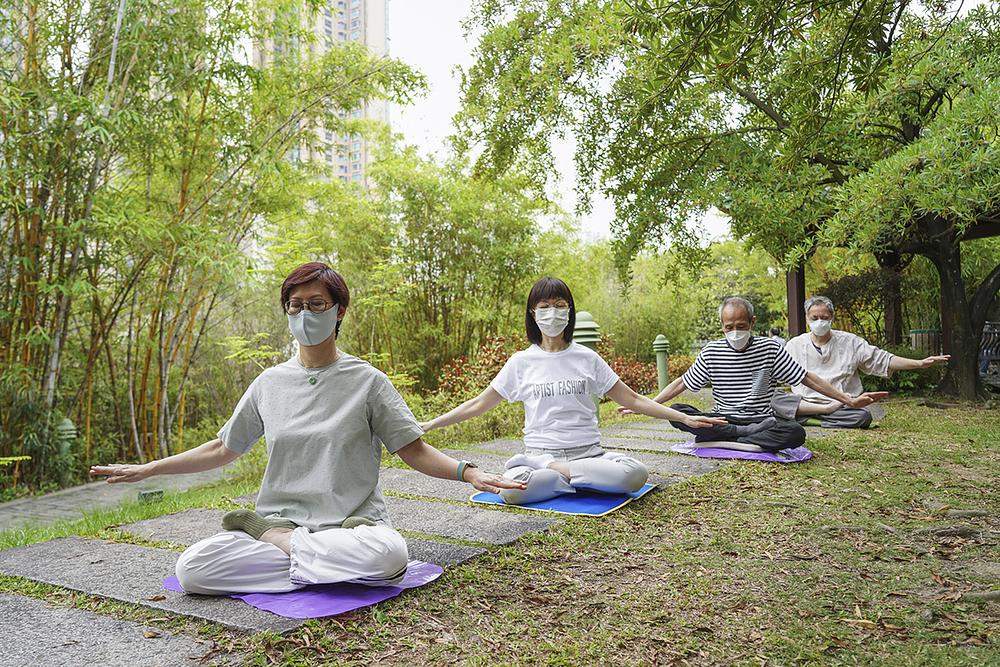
313, 378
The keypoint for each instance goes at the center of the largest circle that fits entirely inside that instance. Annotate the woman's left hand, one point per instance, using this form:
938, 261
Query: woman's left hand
485, 481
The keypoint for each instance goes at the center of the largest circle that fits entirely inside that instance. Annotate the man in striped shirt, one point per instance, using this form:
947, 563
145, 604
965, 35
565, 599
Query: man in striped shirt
743, 371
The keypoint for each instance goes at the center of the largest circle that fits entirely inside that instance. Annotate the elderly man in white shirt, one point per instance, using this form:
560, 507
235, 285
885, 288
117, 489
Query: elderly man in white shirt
837, 357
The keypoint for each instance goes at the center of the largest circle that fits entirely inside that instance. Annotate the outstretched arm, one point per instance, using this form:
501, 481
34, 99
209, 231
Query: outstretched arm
904, 364
473, 407
210, 455
626, 397
428, 460
671, 391
816, 383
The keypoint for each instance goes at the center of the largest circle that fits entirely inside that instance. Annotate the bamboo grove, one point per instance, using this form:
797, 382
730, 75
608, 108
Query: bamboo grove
141, 151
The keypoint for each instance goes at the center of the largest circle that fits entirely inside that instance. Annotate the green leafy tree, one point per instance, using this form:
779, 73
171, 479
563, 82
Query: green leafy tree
778, 115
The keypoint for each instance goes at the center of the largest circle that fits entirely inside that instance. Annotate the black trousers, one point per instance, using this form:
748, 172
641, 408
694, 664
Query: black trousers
785, 434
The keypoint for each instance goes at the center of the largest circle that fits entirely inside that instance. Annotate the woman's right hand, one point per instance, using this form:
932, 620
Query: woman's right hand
122, 472
704, 421
622, 410
426, 426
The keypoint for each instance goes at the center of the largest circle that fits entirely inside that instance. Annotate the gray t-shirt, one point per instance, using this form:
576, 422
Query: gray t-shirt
323, 449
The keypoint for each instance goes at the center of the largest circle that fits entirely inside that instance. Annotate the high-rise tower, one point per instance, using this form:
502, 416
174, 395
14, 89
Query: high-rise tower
339, 21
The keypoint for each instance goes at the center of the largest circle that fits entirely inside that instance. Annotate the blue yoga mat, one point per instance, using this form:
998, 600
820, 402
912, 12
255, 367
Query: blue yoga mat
585, 503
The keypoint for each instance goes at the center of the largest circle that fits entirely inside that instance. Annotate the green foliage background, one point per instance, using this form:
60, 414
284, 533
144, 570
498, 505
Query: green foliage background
155, 188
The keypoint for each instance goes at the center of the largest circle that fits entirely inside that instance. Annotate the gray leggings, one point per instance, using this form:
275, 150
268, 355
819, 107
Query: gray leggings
590, 468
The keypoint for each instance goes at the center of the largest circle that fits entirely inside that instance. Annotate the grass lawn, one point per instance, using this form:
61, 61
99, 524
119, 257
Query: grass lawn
860, 556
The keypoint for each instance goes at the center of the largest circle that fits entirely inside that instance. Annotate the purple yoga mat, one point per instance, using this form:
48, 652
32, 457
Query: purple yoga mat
330, 599
796, 455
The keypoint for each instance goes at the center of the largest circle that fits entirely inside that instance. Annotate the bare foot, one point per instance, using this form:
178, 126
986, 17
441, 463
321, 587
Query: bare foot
279, 537
561, 467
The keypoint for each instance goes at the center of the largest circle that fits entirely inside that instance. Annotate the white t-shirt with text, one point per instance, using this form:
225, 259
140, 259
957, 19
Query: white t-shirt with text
556, 389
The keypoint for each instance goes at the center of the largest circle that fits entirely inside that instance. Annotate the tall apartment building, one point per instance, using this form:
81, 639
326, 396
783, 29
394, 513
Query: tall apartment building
364, 21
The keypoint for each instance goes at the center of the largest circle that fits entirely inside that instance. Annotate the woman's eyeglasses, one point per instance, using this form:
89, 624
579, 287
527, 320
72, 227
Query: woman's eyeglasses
294, 306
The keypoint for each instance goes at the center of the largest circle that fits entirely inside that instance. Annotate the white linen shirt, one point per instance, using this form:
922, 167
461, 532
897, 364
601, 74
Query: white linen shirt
838, 362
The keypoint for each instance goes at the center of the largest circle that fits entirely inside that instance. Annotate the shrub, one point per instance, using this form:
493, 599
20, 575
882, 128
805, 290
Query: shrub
465, 377
678, 364
639, 375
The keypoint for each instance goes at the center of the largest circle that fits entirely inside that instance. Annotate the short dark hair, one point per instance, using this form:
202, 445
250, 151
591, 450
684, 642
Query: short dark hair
775, 331
548, 288
331, 280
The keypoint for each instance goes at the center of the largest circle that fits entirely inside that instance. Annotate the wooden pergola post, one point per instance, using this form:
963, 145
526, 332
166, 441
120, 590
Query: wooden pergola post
795, 284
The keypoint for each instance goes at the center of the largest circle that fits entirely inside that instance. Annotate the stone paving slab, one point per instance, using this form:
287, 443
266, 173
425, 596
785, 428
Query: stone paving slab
442, 553
463, 522
665, 464
189, 526
663, 481
639, 444
655, 425
72, 503
648, 434
184, 528
677, 464
489, 462
36, 633
130, 573
408, 481
504, 448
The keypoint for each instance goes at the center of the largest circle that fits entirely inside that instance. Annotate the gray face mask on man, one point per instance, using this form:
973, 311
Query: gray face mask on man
311, 328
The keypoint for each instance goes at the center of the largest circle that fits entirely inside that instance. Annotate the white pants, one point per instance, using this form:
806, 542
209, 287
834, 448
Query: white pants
590, 468
234, 562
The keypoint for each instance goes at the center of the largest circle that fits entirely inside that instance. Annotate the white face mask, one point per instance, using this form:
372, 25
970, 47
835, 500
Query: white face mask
552, 321
313, 328
820, 327
738, 338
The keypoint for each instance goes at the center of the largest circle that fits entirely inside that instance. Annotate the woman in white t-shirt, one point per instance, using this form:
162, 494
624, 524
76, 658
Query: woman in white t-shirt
555, 379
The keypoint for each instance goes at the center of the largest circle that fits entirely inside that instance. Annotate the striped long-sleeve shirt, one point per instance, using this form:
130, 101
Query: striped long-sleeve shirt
743, 381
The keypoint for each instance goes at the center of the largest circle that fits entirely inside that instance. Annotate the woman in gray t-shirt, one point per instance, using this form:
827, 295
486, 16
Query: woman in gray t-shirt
324, 416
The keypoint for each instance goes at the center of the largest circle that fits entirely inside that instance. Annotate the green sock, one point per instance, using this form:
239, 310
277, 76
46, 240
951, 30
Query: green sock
252, 523
355, 521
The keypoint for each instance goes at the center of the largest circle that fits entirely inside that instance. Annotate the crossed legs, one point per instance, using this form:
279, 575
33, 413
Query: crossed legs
782, 434
588, 468
234, 562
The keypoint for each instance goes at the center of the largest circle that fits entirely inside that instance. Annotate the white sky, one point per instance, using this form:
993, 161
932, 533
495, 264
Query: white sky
429, 37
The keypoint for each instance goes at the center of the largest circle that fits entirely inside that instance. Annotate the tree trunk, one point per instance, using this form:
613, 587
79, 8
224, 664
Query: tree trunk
983, 299
959, 338
892, 265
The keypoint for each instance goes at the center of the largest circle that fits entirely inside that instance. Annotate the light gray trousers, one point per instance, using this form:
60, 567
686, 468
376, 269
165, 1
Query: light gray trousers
590, 468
